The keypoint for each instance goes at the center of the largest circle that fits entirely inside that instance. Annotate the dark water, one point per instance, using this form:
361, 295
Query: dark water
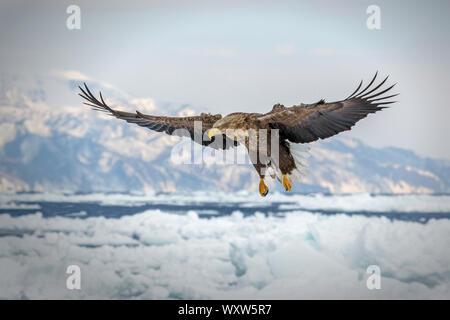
204, 210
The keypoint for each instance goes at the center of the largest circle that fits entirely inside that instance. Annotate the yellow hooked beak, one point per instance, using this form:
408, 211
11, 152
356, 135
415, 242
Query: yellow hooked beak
213, 132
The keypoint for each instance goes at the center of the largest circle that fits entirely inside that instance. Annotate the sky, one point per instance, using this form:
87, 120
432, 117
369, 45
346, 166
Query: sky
228, 56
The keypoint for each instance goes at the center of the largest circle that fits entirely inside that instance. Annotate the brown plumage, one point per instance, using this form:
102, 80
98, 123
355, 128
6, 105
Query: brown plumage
288, 127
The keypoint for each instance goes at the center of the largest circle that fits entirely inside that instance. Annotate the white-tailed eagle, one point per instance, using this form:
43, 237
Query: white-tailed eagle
288, 127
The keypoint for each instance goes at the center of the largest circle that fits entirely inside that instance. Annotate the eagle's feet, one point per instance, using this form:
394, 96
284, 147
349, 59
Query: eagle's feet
286, 183
263, 189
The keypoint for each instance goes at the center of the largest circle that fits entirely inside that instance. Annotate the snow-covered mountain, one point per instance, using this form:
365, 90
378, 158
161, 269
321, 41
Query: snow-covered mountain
50, 142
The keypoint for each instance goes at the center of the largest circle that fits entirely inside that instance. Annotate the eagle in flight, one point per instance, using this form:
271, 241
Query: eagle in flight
286, 130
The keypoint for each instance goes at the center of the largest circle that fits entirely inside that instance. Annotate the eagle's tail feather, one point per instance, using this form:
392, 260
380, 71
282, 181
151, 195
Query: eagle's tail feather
300, 153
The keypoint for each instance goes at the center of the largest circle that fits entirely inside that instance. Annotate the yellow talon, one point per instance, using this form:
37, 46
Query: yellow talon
286, 183
263, 189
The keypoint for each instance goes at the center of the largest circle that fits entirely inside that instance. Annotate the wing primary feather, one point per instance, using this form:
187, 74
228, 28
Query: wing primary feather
95, 106
382, 82
354, 92
92, 96
86, 91
101, 98
88, 96
380, 93
79, 87
382, 98
368, 86
104, 111
85, 96
388, 102
94, 102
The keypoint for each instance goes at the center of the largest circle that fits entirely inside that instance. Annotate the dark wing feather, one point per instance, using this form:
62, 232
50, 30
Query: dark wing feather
309, 122
179, 126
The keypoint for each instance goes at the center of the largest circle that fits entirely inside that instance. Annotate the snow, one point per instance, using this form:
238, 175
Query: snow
161, 255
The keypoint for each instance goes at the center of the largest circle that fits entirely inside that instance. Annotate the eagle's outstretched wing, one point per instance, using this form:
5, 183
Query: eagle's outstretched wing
309, 122
179, 126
